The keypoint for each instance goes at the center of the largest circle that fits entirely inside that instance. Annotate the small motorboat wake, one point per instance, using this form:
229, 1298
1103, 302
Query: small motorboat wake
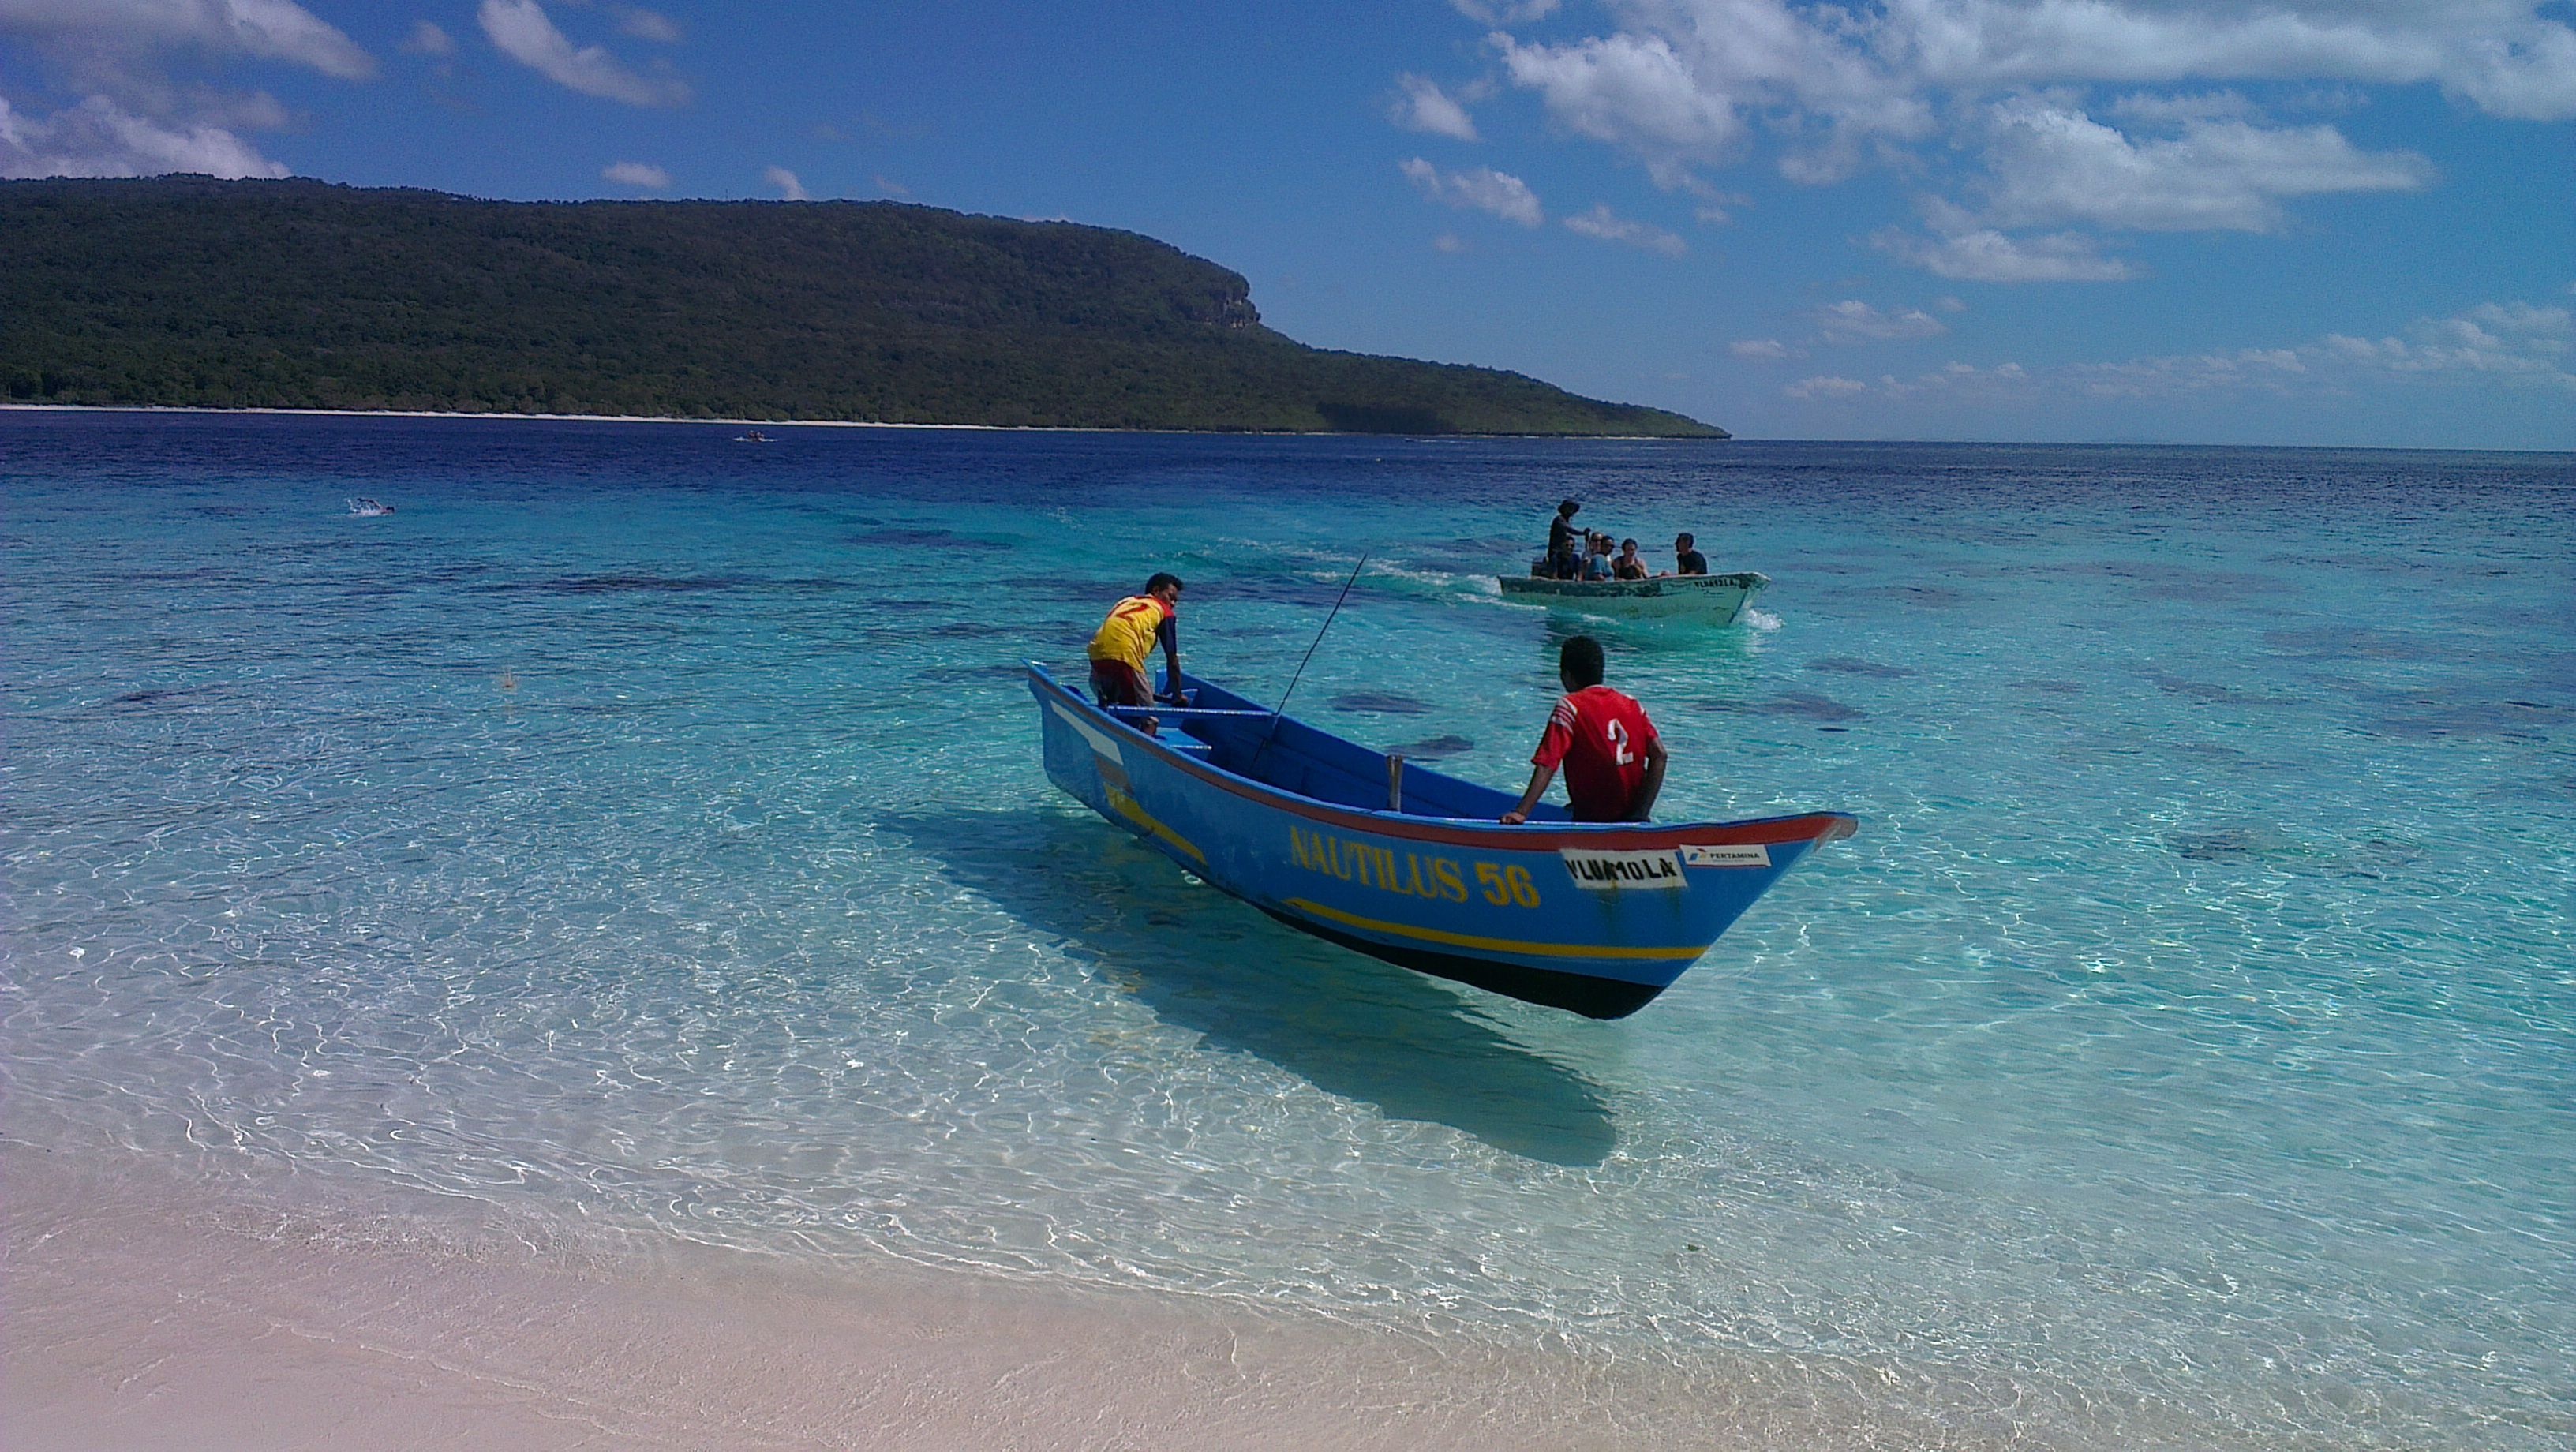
366, 508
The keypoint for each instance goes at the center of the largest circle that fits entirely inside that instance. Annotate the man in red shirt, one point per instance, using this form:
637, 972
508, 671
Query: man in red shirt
1613, 760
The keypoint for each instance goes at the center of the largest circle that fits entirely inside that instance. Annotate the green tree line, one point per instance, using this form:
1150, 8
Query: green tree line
186, 291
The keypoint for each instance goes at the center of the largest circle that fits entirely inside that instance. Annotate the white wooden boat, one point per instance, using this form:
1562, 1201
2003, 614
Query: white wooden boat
1717, 599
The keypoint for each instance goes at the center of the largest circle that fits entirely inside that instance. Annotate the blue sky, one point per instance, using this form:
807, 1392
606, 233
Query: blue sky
2311, 222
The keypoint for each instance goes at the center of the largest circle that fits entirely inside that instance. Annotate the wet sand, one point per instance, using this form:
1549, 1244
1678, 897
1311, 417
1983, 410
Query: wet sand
146, 1308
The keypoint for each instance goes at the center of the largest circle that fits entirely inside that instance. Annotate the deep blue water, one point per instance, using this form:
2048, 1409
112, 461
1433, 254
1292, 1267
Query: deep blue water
643, 829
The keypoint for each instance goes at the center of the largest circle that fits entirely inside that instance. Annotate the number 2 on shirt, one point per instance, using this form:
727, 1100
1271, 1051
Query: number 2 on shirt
1619, 743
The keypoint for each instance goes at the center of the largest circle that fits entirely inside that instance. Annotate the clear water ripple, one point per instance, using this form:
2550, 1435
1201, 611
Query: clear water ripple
644, 832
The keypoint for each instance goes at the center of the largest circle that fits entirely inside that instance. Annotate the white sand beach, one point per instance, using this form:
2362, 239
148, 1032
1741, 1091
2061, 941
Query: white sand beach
148, 1310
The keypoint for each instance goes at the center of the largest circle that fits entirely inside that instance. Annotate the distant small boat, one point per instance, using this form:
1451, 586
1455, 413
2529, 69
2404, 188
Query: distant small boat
1410, 865
369, 508
1718, 599
755, 436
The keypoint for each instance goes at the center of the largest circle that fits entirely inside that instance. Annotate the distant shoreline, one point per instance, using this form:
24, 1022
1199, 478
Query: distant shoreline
762, 423
851, 423
824, 423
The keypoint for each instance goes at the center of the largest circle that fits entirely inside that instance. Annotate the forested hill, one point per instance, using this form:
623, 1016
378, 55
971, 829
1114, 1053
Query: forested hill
299, 294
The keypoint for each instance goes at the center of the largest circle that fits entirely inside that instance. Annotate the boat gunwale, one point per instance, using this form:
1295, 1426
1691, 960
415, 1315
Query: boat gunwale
1752, 582
1820, 827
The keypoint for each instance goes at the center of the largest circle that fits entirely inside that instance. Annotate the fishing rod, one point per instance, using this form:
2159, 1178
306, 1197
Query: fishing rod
1281, 709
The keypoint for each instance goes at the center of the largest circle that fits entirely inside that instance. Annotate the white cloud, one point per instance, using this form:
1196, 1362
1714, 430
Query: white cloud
1825, 386
1601, 222
649, 25
788, 186
2501, 55
1961, 381
1480, 189
428, 39
2051, 165
133, 118
1428, 108
2266, 370
1631, 90
1770, 349
2513, 345
1510, 12
1982, 254
1853, 321
258, 111
2524, 318
1688, 84
521, 31
1449, 244
2140, 108
2507, 341
100, 138
1715, 207
636, 174
267, 29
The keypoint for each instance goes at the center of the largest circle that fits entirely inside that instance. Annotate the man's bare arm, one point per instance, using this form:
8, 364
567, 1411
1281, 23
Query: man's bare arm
1540, 776
1169, 634
1653, 785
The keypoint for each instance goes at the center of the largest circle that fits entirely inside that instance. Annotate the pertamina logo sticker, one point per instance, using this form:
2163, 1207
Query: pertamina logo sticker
1746, 854
1623, 871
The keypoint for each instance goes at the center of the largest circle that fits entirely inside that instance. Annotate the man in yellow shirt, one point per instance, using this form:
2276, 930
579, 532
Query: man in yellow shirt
1127, 638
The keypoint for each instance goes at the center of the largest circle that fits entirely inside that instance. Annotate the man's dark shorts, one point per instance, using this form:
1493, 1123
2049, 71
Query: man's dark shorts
1116, 683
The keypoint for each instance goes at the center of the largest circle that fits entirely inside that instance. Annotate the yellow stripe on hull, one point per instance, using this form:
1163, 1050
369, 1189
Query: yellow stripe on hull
1126, 806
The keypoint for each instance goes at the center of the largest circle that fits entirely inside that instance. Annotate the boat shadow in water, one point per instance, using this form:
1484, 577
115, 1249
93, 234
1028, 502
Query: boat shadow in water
1348, 1024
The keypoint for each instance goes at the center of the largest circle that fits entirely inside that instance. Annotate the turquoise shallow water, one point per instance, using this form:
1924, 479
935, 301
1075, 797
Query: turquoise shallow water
643, 829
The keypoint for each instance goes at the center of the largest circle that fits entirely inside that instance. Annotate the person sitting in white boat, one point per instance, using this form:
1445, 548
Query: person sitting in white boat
1628, 566
1596, 564
1614, 762
1564, 560
1126, 640
1687, 560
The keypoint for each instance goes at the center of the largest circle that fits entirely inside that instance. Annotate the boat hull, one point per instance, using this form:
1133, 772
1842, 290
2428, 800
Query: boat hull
1717, 599
1594, 918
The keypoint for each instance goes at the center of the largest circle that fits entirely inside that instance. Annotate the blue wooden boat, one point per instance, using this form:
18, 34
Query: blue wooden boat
1412, 866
